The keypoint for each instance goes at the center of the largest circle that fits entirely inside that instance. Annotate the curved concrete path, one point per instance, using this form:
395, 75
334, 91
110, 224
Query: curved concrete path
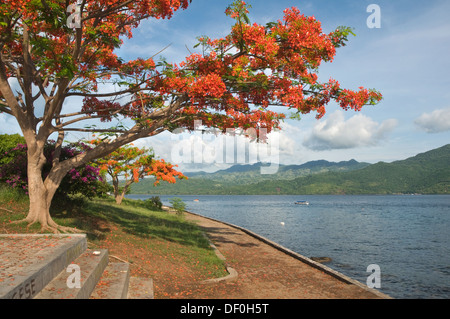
266, 270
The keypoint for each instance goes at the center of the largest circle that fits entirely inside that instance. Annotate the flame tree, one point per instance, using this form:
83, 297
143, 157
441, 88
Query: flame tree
128, 164
46, 62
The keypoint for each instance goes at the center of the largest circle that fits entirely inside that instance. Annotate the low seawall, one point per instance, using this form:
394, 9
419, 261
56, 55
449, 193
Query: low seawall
341, 277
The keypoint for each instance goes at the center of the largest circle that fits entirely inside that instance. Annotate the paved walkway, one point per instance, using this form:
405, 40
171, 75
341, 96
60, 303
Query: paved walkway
267, 272
263, 271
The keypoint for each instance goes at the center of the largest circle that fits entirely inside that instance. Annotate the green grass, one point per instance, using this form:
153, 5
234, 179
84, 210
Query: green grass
141, 222
13, 206
157, 243
10, 196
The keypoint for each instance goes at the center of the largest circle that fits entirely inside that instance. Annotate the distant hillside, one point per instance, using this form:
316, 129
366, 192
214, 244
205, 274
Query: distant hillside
426, 173
220, 181
247, 174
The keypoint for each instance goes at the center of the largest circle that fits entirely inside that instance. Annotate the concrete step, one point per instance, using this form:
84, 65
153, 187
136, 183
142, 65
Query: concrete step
80, 281
140, 288
113, 283
61, 267
29, 262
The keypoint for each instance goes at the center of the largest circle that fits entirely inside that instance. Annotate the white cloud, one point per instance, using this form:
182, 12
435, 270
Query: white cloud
209, 152
435, 122
285, 139
9, 125
337, 133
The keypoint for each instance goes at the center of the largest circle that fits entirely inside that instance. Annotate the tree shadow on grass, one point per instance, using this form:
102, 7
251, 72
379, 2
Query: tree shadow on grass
72, 214
148, 225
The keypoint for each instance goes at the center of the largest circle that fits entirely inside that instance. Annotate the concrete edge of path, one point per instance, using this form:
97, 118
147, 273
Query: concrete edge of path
233, 274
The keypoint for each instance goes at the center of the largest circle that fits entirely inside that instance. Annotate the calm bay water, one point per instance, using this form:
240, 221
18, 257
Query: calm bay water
407, 236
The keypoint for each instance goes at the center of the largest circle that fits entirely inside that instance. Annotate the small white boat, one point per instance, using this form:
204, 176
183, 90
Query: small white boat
301, 202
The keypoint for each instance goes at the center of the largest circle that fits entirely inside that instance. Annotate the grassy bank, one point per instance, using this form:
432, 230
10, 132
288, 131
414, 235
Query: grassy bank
156, 243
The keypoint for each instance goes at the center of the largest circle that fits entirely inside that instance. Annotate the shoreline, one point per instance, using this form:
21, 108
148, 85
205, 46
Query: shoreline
307, 261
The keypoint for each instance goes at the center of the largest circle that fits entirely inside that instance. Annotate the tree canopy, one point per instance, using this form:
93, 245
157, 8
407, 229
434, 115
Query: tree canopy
52, 51
129, 164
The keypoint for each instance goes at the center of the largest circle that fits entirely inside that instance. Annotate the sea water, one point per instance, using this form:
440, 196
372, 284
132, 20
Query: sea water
407, 236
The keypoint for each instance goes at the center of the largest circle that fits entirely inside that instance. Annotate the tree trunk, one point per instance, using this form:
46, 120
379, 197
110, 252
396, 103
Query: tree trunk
41, 192
118, 194
119, 198
40, 201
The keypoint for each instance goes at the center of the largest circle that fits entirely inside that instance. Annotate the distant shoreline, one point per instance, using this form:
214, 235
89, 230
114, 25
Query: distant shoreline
425, 173
198, 194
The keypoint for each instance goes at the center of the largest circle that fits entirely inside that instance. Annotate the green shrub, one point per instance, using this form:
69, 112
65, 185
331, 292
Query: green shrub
7, 143
153, 202
178, 205
85, 180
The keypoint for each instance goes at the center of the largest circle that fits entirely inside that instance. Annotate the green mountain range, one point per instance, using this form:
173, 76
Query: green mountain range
425, 173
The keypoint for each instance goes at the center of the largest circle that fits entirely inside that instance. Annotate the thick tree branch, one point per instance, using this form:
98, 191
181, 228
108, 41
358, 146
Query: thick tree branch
133, 89
11, 100
104, 13
27, 70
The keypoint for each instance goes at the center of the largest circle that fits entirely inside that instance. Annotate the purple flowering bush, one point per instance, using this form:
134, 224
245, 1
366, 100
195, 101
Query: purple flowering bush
85, 180
14, 172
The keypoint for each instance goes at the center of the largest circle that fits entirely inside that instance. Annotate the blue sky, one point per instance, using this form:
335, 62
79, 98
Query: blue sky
407, 60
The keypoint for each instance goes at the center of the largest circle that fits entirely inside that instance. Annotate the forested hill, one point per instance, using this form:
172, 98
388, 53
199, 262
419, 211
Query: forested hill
251, 173
220, 181
426, 173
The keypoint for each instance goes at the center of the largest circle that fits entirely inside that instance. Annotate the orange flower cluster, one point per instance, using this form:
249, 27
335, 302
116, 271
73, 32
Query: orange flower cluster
232, 84
260, 66
103, 108
54, 43
164, 171
133, 163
